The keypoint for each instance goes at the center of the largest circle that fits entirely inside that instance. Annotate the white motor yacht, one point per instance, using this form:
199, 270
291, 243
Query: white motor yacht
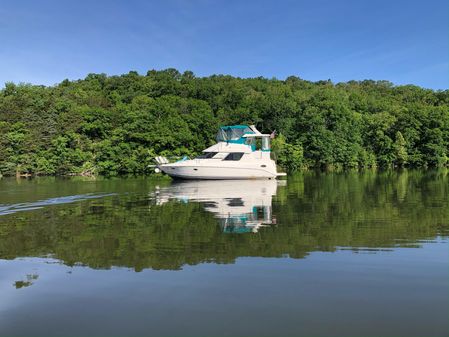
241, 152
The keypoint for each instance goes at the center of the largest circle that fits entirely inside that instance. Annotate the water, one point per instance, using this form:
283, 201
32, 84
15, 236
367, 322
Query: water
321, 254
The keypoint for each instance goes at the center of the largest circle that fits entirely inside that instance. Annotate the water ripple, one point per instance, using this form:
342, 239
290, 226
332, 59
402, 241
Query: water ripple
29, 206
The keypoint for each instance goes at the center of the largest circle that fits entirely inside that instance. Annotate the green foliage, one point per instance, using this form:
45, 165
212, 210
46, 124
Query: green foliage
289, 156
108, 124
400, 149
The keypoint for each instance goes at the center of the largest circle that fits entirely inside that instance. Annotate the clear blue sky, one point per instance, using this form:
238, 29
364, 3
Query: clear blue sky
44, 42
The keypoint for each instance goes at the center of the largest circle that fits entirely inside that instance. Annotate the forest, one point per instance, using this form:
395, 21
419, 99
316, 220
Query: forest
116, 125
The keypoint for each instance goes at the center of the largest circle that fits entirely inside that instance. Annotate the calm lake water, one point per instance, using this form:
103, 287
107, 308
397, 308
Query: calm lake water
320, 254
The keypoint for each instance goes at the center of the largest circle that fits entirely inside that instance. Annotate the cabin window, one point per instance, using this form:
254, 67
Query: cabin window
234, 156
207, 155
221, 155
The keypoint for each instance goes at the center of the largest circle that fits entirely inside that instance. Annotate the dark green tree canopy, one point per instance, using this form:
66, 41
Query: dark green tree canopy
116, 124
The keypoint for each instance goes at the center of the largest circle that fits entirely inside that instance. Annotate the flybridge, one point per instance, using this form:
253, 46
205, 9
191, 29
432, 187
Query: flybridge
237, 133
233, 133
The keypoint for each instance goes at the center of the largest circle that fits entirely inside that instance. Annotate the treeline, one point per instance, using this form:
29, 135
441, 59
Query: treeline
114, 125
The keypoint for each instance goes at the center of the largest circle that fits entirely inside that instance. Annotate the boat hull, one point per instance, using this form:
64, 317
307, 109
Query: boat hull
217, 173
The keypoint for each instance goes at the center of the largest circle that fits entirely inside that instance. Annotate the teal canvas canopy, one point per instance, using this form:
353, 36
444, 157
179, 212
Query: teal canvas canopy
233, 133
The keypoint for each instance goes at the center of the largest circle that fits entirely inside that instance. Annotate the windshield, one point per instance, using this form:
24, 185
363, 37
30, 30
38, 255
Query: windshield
228, 133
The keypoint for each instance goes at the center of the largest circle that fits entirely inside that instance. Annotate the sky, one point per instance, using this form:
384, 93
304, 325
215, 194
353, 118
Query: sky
405, 42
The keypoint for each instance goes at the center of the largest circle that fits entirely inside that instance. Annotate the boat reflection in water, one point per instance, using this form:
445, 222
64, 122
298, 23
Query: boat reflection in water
241, 206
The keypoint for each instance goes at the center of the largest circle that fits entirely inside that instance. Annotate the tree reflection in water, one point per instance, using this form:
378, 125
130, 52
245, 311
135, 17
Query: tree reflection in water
190, 223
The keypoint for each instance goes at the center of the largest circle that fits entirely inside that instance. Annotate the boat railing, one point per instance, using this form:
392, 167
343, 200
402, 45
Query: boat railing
160, 160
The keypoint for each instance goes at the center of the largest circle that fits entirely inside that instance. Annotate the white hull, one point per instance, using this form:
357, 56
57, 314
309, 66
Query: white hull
187, 170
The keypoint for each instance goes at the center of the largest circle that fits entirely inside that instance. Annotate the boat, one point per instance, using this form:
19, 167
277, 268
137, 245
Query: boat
241, 152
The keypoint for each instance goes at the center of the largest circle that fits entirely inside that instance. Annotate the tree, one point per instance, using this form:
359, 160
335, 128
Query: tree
400, 147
